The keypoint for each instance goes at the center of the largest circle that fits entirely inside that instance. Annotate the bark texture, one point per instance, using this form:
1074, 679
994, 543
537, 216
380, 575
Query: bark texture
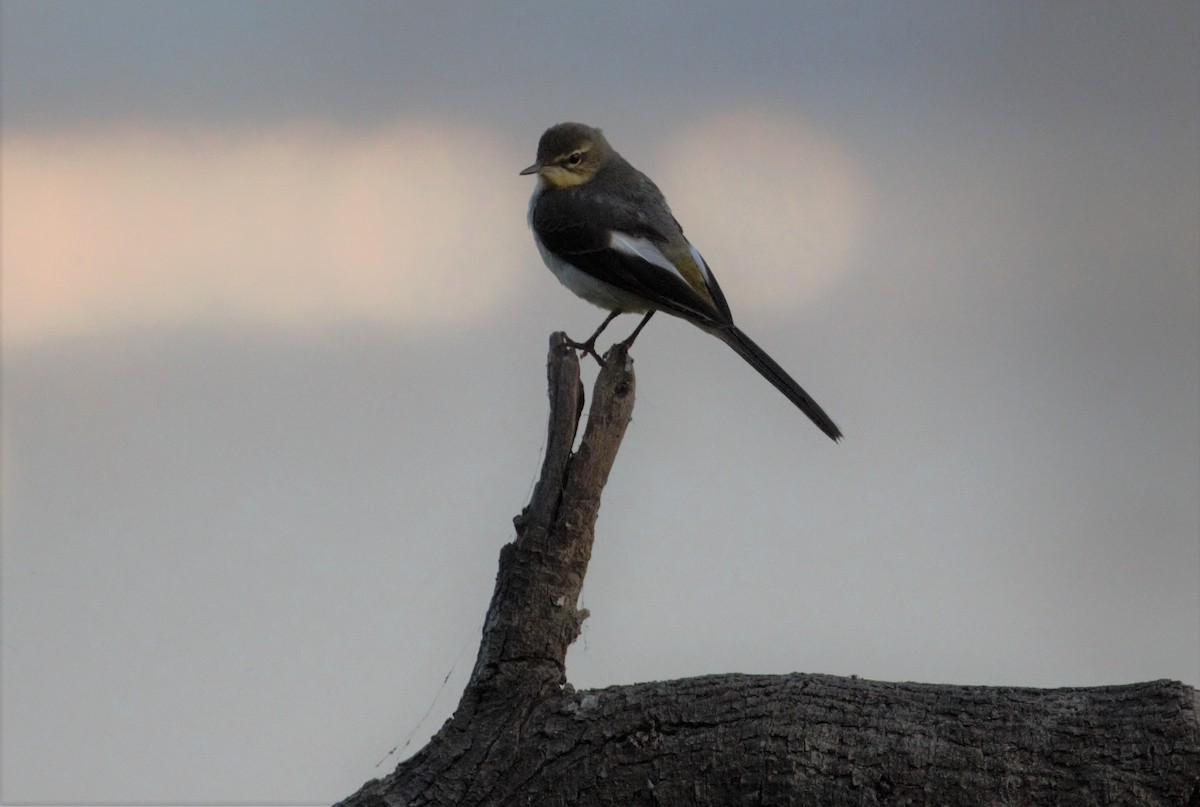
522, 735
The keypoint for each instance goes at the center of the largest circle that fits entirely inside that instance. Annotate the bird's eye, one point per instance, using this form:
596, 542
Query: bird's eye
574, 158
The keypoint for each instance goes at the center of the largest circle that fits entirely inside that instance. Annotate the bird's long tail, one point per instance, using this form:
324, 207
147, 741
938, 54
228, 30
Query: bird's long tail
759, 360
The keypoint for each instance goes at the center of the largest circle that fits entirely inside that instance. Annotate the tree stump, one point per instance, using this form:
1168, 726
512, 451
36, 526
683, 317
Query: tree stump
522, 735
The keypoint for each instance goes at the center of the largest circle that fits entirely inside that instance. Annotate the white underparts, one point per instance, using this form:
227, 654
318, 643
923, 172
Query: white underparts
595, 291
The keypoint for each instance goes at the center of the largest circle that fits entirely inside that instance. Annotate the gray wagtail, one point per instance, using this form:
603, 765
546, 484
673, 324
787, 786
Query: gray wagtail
605, 230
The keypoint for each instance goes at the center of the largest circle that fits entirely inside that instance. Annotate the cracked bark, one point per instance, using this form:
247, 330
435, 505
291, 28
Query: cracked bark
522, 735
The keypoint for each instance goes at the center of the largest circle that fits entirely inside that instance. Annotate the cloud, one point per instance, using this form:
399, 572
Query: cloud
776, 206
412, 224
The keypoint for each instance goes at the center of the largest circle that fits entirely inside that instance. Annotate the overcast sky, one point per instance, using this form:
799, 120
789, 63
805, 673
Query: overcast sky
274, 333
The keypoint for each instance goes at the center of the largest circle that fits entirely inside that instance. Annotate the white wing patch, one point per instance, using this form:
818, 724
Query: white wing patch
646, 250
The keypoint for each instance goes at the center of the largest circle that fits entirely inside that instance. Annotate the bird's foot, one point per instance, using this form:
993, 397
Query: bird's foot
588, 348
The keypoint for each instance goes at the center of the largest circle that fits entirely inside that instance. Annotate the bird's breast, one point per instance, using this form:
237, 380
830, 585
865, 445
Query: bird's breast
584, 285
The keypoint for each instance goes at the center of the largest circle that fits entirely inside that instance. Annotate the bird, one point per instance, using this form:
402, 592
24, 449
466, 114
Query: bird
606, 231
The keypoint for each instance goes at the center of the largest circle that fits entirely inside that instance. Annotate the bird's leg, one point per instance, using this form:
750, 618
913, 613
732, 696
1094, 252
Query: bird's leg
628, 343
589, 347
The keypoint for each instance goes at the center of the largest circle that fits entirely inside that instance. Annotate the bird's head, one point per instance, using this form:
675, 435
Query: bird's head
569, 154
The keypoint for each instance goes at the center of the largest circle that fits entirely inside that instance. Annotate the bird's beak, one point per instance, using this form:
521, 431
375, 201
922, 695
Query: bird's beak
533, 169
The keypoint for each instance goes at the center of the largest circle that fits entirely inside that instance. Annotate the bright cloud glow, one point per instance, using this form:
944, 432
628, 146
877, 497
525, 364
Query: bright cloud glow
776, 207
412, 225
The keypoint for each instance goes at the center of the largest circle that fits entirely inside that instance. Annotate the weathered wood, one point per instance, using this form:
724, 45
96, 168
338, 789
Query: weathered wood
532, 619
522, 735
812, 739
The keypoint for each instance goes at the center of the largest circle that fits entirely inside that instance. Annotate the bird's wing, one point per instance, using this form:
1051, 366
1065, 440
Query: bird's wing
650, 259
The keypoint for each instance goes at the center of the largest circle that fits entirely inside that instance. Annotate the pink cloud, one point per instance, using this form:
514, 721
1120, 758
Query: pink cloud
413, 224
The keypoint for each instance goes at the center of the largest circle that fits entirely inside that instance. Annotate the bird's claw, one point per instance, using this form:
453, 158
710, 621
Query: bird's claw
588, 348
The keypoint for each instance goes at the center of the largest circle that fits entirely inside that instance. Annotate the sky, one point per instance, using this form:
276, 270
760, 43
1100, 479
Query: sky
274, 333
